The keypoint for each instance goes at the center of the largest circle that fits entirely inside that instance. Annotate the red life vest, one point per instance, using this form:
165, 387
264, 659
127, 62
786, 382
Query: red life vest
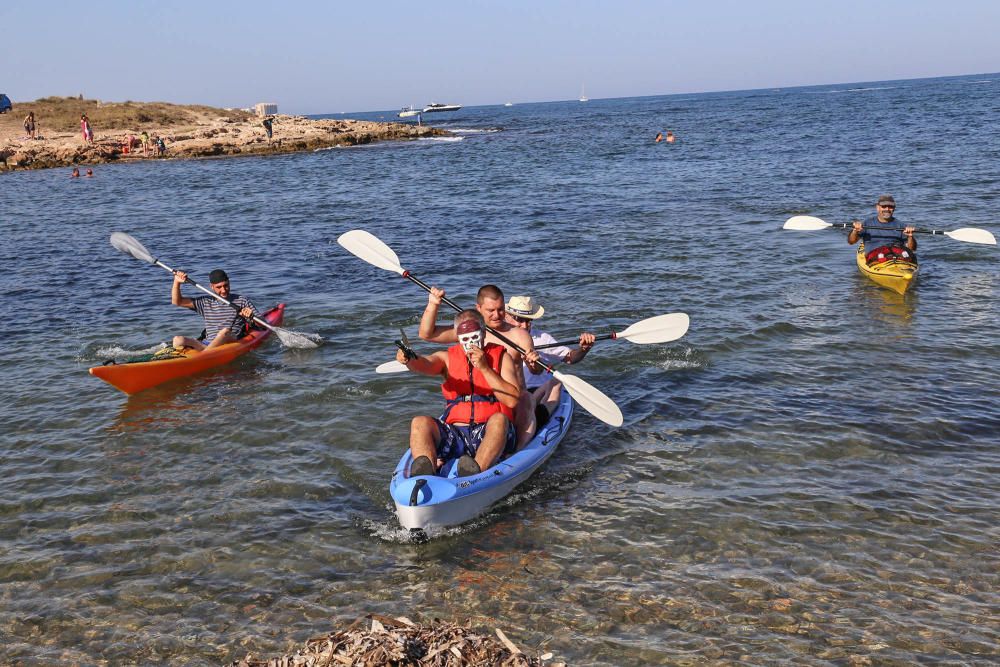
461, 396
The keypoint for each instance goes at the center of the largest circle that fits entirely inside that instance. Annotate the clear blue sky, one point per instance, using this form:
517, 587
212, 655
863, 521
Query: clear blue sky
318, 57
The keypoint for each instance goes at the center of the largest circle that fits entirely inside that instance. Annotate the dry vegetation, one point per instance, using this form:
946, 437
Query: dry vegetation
62, 114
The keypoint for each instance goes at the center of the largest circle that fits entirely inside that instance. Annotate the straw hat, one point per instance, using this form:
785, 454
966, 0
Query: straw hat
524, 306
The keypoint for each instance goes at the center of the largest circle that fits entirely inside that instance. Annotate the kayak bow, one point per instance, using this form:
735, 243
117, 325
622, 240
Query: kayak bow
442, 500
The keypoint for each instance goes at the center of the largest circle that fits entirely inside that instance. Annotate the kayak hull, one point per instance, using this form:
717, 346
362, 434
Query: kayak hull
440, 501
899, 275
132, 378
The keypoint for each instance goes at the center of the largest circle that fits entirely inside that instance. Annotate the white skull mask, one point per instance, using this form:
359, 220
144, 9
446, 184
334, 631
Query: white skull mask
470, 335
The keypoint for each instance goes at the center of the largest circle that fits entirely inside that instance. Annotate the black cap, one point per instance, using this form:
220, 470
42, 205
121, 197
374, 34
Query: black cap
886, 199
217, 276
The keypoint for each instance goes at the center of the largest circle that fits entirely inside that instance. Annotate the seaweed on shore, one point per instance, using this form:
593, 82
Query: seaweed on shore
400, 642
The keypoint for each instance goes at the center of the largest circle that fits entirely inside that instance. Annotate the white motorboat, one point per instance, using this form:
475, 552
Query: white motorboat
408, 112
434, 106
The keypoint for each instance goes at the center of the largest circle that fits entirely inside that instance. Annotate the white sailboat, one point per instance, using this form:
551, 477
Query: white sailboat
583, 93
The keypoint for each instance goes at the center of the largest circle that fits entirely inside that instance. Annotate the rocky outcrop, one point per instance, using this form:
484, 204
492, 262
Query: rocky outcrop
210, 139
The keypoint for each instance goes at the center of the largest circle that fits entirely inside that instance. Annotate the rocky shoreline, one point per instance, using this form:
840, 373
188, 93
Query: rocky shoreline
211, 137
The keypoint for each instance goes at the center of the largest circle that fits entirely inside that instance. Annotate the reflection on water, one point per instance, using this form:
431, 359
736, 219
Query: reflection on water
191, 399
889, 306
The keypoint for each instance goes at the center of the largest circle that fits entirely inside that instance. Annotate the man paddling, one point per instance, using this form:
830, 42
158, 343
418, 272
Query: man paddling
490, 304
545, 390
881, 234
223, 323
481, 391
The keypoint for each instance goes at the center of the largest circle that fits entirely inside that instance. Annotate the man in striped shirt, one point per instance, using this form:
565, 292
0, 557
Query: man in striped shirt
224, 323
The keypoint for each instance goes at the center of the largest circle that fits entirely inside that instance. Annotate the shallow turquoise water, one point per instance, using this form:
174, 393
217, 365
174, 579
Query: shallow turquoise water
809, 475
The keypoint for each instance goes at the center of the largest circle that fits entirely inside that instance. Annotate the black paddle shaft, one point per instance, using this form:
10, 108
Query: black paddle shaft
850, 225
611, 336
427, 288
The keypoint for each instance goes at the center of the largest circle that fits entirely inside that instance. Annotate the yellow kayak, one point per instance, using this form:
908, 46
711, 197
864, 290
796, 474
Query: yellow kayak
897, 274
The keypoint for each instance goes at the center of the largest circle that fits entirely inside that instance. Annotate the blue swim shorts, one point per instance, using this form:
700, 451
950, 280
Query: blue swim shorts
455, 440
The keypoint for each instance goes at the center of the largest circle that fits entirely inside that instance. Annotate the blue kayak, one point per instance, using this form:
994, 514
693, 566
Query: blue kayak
442, 500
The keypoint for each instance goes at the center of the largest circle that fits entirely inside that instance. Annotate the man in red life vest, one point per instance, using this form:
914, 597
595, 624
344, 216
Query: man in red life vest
480, 386
490, 305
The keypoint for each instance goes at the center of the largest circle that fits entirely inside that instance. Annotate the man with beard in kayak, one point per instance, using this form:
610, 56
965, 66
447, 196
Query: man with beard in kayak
490, 304
223, 323
522, 311
881, 234
481, 391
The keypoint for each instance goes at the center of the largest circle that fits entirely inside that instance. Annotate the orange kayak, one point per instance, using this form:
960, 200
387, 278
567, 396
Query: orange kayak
136, 376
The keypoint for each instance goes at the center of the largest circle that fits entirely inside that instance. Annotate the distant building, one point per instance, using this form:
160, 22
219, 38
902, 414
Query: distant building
266, 108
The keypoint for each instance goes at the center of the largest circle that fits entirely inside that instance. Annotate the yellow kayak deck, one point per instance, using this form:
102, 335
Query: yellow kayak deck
897, 274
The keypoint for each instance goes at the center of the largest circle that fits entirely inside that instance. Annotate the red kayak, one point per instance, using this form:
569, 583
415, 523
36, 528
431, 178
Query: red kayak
136, 376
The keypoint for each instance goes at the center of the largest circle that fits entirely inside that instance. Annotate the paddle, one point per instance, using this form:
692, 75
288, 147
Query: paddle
807, 223
129, 245
391, 367
659, 329
371, 249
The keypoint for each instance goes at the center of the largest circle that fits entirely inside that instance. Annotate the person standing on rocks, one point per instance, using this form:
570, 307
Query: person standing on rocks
267, 123
88, 132
29, 125
144, 138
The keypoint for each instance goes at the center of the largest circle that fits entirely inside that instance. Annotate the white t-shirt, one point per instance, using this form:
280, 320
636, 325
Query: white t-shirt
550, 356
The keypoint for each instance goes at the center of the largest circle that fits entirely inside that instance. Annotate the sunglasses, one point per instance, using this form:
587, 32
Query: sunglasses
521, 320
888, 206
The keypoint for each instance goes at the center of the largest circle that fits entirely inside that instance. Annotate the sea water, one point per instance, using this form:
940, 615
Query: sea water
809, 476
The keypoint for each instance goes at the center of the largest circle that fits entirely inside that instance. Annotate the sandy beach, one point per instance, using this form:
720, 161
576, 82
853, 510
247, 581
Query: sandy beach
188, 132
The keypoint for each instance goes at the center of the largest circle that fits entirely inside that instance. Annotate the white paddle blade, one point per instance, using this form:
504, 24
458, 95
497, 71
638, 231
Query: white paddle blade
297, 340
128, 245
391, 367
659, 329
370, 248
972, 235
805, 223
591, 399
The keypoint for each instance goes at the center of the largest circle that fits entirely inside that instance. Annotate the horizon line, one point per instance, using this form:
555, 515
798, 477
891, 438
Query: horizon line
700, 92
